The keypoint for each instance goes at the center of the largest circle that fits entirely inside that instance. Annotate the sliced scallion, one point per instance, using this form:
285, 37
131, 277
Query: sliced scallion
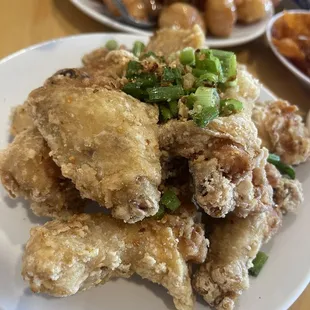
170, 200
111, 45
165, 93
187, 56
230, 106
282, 167
138, 48
258, 264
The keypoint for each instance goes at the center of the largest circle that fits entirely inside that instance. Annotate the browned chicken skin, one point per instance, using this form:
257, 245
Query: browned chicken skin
282, 131
62, 258
27, 171
234, 244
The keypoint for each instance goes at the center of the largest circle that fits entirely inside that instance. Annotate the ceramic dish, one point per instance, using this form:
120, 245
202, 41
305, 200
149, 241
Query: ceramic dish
282, 280
299, 74
240, 35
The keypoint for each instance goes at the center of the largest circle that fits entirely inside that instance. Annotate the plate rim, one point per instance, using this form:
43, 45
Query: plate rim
293, 296
283, 59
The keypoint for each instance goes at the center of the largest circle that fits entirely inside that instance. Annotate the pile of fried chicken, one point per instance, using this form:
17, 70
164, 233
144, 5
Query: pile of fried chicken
80, 138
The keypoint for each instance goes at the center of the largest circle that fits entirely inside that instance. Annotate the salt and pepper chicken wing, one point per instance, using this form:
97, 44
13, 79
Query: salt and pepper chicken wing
27, 171
234, 243
282, 131
20, 120
106, 142
63, 257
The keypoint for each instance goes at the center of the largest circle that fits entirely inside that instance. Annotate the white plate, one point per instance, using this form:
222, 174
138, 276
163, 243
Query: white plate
283, 278
240, 35
304, 78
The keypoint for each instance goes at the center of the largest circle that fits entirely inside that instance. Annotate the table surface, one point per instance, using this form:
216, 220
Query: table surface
23, 23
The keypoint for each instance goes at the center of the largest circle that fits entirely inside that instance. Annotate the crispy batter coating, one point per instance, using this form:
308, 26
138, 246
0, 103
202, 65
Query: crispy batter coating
106, 142
168, 40
288, 194
21, 119
27, 170
225, 160
282, 131
234, 244
62, 258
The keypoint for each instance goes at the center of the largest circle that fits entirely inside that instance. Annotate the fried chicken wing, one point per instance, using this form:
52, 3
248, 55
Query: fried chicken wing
234, 244
27, 171
225, 160
288, 194
168, 40
106, 142
62, 258
282, 131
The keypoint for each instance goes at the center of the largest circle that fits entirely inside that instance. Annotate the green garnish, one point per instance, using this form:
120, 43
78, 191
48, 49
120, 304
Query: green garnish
165, 113
258, 263
134, 90
171, 75
111, 45
160, 213
138, 48
187, 56
134, 68
170, 200
230, 106
228, 62
174, 108
282, 167
148, 54
205, 106
165, 93
207, 79
205, 60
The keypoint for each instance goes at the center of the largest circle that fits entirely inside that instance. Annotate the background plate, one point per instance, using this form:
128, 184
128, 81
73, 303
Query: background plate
283, 278
240, 35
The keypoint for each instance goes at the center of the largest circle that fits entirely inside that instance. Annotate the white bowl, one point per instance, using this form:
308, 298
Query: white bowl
303, 77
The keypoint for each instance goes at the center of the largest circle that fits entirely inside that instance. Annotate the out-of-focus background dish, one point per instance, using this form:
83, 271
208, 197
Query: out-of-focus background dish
288, 34
225, 23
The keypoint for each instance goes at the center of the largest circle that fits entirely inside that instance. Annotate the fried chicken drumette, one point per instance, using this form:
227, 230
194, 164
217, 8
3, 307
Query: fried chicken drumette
282, 131
27, 171
234, 243
105, 142
64, 257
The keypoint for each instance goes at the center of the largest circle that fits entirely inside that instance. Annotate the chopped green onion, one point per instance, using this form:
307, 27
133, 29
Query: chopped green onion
258, 263
171, 75
207, 79
187, 56
206, 61
138, 48
146, 80
198, 72
206, 106
166, 93
148, 54
111, 45
229, 64
174, 108
134, 89
282, 167
230, 106
190, 100
134, 68
170, 200
160, 213
165, 113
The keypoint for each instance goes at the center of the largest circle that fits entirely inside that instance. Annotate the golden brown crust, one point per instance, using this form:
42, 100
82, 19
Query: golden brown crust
106, 142
27, 171
282, 131
62, 258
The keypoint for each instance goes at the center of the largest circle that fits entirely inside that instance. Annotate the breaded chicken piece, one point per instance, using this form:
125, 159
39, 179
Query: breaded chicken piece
247, 89
21, 120
282, 131
168, 41
105, 142
225, 160
234, 244
62, 258
27, 171
112, 64
287, 193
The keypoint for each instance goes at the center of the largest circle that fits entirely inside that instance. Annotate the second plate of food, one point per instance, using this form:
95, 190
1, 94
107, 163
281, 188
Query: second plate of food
255, 20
